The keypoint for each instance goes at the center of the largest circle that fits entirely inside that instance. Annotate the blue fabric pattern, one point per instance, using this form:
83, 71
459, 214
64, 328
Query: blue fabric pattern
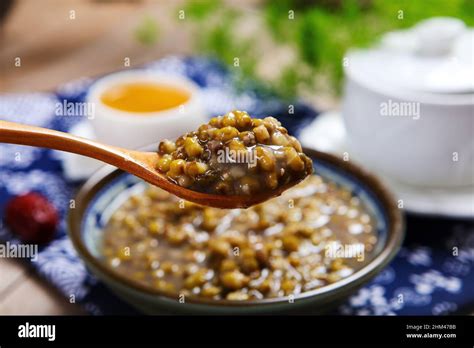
432, 275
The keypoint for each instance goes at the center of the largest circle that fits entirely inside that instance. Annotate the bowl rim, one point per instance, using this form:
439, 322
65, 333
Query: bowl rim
102, 83
387, 202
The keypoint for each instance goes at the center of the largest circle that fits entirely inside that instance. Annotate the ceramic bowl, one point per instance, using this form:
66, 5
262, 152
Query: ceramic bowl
431, 149
108, 188
410, 117
134, 130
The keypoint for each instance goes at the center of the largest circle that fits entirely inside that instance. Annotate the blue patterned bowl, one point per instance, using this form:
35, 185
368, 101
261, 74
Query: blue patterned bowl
108, 188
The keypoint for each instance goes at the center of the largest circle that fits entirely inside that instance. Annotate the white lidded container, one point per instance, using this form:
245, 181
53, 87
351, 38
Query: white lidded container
408, 104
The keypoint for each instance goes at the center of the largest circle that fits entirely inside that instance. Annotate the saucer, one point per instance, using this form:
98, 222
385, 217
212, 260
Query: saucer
327, 133
77, 168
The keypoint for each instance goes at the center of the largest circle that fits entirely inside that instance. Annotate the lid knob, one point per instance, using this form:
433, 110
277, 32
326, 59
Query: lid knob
435, 36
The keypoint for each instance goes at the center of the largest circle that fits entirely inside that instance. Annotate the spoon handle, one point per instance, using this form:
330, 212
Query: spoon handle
16, 133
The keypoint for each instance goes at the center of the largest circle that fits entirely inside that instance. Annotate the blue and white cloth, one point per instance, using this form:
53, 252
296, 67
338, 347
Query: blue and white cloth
432, 275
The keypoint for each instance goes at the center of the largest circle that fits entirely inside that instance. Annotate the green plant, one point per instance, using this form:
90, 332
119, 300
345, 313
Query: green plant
147, 32
319, 32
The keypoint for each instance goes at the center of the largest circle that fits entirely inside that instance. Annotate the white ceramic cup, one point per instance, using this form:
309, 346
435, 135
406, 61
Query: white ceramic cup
434, 148
136, 129
408, 108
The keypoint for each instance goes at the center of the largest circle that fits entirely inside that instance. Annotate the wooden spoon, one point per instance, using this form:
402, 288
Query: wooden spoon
139, 163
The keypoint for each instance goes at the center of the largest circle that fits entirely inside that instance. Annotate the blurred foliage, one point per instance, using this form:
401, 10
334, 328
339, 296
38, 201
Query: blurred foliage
217, 37
320, 32
201, 9
147, 32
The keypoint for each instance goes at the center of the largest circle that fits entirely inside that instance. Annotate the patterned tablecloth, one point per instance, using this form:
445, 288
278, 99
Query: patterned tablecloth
434, 271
